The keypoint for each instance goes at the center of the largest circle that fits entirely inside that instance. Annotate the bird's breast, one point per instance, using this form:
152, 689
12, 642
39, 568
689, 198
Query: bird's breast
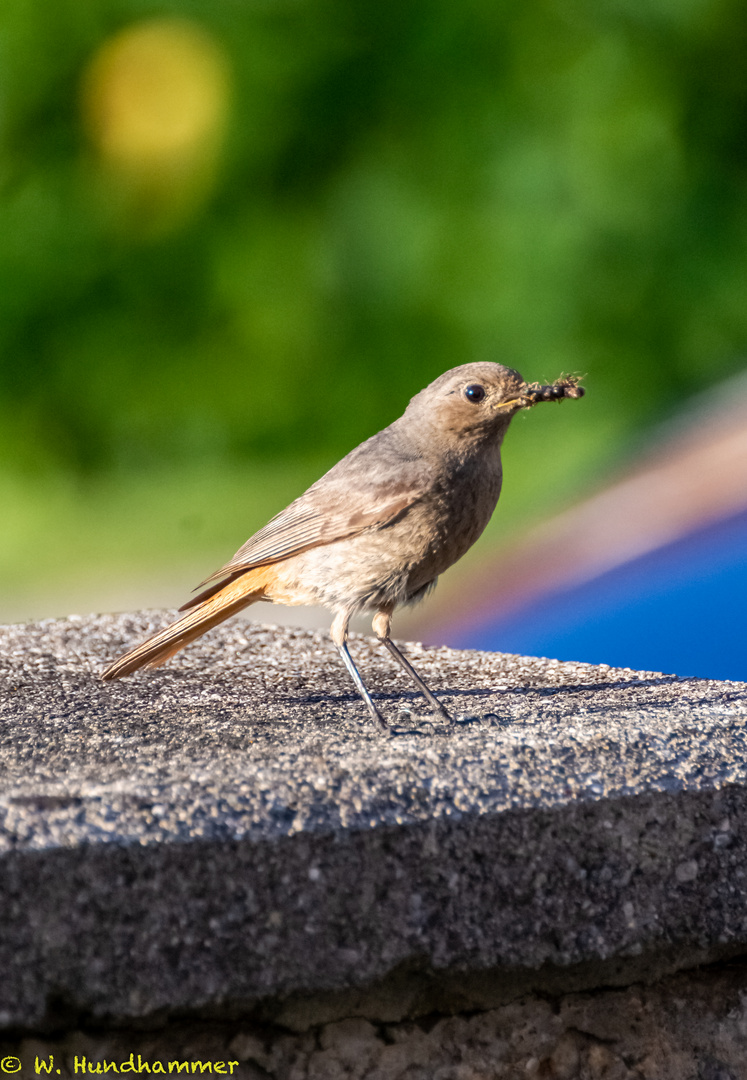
391, 564
447, 525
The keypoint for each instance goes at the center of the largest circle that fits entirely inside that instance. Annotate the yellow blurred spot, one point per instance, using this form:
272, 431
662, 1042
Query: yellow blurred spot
154, 102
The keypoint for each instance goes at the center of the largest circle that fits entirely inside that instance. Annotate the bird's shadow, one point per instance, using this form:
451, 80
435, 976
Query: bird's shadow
411, 701
482, 692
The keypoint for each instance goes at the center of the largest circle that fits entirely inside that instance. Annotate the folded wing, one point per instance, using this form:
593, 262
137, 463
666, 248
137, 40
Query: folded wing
342, 504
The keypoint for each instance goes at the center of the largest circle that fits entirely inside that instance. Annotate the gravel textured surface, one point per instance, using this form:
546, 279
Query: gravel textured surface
229, 830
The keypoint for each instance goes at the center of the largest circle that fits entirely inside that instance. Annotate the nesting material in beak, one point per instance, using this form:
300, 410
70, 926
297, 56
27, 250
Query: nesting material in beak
567, 386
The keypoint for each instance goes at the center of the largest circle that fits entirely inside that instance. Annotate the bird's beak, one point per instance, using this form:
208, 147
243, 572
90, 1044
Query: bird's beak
513, 403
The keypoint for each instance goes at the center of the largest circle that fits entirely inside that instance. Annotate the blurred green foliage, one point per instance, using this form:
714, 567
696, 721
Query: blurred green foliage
405, 187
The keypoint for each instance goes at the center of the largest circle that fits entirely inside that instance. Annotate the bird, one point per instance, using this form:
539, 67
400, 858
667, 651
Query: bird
375, 531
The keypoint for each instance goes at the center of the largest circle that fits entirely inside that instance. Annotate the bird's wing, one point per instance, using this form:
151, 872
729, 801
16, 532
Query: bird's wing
342, 504
306, 524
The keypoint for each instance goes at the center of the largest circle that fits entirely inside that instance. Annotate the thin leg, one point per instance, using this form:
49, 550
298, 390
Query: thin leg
405, 663
381, 623
339, 634
376, 716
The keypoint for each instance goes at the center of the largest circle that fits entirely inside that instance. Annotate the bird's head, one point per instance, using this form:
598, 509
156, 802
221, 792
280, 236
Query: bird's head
475, 402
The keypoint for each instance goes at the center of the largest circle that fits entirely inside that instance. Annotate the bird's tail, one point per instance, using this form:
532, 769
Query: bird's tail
222, 603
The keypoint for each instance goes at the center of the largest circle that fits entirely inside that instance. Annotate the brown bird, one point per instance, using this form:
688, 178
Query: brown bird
377, 529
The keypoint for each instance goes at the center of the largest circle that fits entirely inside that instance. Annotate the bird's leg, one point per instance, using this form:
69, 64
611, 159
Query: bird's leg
382, 622
339, 634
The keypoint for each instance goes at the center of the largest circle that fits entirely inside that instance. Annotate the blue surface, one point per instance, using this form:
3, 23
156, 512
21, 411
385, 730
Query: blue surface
681, 609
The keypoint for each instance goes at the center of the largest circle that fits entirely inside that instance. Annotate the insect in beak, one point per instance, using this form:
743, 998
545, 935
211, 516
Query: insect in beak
565, 387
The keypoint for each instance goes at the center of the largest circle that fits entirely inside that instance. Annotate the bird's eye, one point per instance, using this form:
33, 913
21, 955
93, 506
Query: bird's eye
474, 393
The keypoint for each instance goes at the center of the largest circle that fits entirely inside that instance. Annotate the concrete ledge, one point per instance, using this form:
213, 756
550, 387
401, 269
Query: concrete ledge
221, 836
690, 1025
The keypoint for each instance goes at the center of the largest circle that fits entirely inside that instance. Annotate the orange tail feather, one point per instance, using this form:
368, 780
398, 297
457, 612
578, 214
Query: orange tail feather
230, 598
